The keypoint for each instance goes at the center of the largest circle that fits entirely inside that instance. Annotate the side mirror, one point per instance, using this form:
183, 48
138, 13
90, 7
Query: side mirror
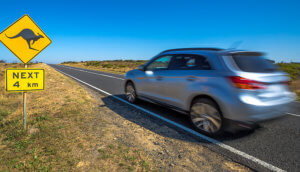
141, 67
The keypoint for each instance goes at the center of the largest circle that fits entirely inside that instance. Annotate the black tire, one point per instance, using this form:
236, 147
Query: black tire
206, 117
130, 92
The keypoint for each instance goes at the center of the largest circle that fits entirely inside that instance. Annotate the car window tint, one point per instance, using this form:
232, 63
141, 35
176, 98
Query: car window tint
189, 62
160, 63
254, 64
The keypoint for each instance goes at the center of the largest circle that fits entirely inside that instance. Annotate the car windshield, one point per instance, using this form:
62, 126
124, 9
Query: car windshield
254, 64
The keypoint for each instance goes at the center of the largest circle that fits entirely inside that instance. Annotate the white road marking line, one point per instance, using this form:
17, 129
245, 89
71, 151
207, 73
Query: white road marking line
293, 114
224, 146
92, 72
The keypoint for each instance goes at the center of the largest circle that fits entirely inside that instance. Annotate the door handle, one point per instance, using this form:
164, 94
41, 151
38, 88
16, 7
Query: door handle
191, 78
159, 78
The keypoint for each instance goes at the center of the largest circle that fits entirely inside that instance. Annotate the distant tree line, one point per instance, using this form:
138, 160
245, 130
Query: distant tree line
15, 62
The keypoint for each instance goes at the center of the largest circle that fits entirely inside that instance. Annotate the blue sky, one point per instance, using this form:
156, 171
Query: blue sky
102, 30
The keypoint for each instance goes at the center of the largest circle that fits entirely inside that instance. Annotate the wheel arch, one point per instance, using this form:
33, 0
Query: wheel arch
205, 96
127, 81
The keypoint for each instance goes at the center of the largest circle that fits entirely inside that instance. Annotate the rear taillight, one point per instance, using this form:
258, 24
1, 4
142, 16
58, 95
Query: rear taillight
244, 83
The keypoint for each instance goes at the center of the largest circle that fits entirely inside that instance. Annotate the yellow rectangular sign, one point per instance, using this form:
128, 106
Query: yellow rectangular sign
25, 39
24, 79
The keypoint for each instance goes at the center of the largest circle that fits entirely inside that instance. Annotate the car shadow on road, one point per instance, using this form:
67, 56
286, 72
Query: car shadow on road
158, 126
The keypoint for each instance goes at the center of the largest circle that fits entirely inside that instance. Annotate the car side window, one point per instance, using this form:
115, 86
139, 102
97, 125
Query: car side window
160, 63
189, 62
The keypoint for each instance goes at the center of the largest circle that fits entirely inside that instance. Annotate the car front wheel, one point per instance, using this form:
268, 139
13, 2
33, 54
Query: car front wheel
130, 92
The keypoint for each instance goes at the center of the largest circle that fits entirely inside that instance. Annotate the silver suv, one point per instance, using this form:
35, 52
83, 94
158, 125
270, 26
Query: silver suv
215, 87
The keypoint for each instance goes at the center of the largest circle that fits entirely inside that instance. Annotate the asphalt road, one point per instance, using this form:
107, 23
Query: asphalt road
276, 142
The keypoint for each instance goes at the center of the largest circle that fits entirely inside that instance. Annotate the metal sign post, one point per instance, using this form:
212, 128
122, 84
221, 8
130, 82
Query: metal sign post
24, 107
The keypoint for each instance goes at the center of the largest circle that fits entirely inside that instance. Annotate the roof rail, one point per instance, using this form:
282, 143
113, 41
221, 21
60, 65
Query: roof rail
182, 49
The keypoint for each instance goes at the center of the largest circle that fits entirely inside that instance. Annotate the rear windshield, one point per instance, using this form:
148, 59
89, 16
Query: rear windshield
254, 63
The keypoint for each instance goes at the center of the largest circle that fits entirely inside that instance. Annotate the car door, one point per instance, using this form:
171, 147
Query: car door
184, 71
149, 83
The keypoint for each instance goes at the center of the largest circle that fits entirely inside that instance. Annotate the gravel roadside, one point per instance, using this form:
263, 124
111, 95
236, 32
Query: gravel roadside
166, 148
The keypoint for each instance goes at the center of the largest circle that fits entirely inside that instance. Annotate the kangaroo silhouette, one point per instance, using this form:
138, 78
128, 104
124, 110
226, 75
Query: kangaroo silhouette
29, 36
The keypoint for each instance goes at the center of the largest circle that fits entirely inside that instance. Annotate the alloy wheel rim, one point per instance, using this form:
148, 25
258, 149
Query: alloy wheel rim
205, 117
130, 93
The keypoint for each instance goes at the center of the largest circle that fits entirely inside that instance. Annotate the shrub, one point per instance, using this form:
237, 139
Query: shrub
92, 63
293, 69
107, 65
68, 62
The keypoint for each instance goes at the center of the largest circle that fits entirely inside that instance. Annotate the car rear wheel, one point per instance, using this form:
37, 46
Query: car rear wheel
130, 93
206, 117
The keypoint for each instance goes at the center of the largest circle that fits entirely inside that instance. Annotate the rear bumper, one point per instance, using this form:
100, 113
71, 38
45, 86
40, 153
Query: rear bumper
259, 114
251, 114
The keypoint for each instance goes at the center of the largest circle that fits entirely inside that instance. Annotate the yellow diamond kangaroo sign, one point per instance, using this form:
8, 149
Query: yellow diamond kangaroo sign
25, 39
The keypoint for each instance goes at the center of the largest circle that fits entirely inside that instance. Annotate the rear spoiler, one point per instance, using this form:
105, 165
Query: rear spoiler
246, 53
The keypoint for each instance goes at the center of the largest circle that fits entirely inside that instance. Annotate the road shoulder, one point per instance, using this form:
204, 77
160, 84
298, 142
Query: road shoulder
167, 148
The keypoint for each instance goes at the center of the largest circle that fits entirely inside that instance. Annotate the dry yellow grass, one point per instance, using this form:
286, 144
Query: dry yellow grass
295, 86
58, 136
118, 67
